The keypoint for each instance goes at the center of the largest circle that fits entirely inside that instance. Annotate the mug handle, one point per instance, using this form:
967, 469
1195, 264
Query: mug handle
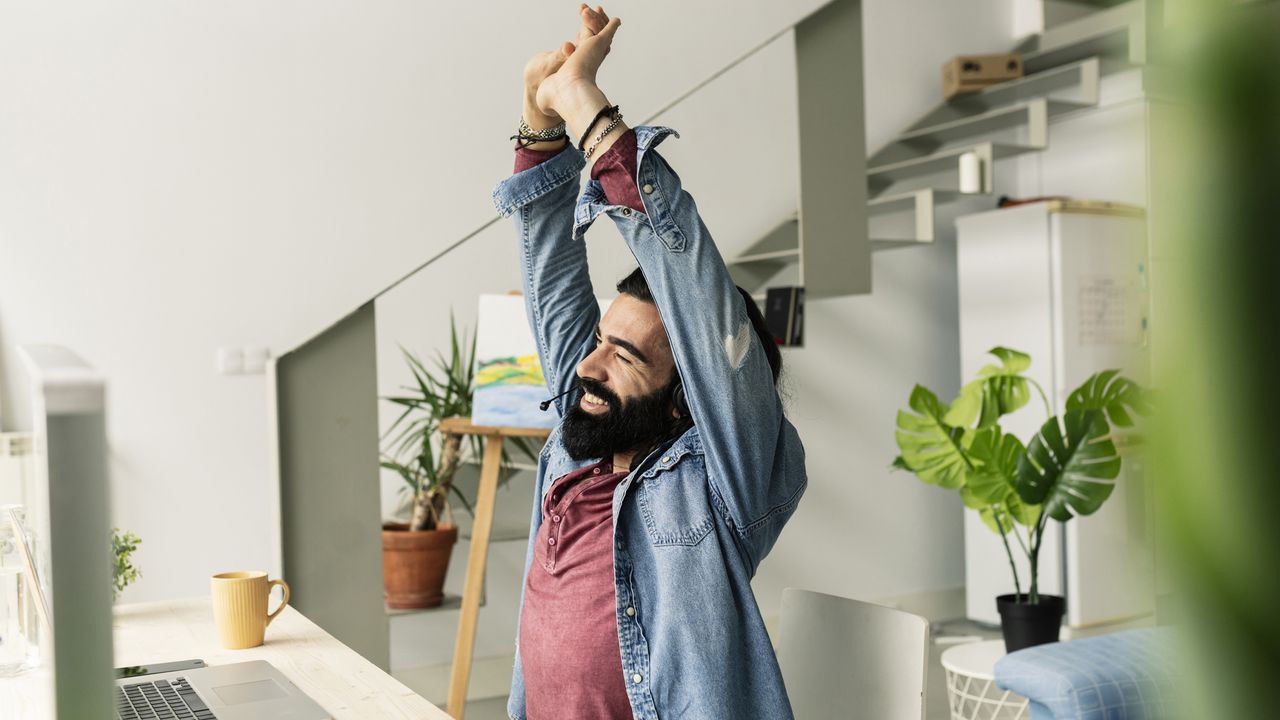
284, 587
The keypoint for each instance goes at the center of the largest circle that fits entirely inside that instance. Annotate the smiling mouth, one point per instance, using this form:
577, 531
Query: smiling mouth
593, 402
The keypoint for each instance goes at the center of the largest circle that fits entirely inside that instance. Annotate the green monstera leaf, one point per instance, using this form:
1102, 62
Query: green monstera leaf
993, 483
1119, 397
1070, 468
999, 390
931, 448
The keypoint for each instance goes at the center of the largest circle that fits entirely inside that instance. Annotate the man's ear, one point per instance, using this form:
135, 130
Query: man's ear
679, 404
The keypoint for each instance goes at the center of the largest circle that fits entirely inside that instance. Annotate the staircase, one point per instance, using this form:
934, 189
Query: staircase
916, 173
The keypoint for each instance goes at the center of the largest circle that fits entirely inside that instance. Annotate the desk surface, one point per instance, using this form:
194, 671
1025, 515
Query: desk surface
335, 676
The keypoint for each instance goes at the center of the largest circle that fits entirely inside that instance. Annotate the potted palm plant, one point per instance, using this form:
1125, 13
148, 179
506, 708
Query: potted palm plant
415, 555
1068, 468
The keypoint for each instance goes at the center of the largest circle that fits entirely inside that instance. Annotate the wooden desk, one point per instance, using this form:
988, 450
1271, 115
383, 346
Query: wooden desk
334, 675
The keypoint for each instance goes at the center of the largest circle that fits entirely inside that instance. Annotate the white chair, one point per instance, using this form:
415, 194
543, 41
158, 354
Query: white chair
843, 658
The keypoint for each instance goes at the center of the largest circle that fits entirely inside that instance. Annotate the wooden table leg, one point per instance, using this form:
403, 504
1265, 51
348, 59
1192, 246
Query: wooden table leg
460, 675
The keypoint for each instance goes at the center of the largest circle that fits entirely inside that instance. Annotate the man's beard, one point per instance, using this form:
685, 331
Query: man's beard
641, 421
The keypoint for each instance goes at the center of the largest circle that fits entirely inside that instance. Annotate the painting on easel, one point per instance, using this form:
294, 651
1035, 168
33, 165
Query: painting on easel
509, 380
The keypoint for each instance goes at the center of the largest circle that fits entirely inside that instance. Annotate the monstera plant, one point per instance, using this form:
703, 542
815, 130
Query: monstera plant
1068, 468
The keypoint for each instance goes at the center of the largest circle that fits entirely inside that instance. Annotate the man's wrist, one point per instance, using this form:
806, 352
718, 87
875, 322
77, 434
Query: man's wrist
533, 115
579, 104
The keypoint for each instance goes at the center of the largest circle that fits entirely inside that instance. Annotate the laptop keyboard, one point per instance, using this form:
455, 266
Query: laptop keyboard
160, 700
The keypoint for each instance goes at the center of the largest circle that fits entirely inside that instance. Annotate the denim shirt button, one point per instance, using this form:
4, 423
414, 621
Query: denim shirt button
648, 189
626, 212
631, 612
636, 678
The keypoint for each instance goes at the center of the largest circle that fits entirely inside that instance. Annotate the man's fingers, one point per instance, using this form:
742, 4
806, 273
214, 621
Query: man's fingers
606, 35
593, 21
567, 48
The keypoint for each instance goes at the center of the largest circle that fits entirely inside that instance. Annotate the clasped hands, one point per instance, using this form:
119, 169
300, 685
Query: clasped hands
561, 84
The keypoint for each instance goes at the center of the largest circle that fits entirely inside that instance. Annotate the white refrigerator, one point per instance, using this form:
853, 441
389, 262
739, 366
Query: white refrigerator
1065, 282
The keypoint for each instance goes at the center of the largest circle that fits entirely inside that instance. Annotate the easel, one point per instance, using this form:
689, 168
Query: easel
494, 438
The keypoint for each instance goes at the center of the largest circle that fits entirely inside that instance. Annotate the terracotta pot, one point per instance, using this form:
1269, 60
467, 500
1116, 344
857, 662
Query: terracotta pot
414, 564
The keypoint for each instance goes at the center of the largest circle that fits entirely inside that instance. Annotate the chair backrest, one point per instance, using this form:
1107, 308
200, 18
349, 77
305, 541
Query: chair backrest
843, 658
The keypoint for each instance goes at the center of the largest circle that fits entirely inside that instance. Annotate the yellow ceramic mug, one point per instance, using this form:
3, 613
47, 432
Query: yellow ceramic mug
240, 607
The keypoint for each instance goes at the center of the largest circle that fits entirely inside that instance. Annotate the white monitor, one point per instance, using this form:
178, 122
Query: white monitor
68, 531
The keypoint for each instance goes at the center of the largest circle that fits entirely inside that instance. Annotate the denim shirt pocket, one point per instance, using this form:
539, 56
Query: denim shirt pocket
675, 502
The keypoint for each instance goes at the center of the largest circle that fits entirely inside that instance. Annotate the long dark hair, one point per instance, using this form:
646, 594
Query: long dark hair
637, 287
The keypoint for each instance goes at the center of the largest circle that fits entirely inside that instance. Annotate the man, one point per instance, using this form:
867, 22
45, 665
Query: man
673, 469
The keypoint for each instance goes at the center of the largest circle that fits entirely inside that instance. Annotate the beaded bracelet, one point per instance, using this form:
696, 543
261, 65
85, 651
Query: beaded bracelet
552, 133
613, 123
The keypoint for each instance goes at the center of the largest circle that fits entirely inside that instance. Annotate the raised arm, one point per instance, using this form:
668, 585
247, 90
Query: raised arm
754, 457
540, 196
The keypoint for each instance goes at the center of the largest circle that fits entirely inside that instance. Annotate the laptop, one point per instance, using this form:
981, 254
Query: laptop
241, 691
71, 578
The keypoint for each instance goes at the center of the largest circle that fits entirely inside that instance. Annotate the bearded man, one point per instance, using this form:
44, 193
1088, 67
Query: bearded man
673, 469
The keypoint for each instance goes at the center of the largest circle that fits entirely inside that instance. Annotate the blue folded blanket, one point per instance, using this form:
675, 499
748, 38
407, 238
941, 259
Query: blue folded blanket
1123, 676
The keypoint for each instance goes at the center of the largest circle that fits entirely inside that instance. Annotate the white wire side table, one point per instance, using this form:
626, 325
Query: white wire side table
971, 686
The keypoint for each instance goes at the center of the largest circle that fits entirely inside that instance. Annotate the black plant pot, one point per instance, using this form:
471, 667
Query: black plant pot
1025, 625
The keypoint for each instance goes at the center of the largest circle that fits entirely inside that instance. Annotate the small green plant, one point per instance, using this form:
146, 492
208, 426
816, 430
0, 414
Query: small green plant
1069, 468
124, 572
423, 457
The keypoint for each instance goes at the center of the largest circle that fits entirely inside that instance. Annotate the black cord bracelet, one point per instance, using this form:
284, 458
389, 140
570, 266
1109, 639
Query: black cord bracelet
526, 140
604, 112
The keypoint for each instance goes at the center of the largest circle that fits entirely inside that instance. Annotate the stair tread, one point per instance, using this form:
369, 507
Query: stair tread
939, 196
772, 256
998, 151
1054, 107
1106, 32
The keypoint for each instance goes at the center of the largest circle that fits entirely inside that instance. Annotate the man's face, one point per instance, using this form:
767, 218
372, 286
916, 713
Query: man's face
626, 384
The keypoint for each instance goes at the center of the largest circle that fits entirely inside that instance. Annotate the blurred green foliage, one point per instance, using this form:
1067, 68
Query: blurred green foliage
1218, 236
123, 571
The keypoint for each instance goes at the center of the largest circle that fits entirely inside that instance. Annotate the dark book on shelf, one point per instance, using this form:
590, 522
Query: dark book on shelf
784, 315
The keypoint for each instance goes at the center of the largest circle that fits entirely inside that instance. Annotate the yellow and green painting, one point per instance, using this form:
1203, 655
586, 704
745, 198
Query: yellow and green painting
509, 381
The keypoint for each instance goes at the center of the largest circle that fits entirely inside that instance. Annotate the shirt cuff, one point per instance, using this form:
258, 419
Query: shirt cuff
615, 170
524, 187
528, 157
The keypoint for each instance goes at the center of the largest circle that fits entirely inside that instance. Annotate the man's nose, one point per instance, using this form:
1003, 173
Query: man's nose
592, 367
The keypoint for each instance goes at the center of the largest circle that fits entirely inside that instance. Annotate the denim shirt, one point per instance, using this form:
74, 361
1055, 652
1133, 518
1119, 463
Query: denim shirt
694, 519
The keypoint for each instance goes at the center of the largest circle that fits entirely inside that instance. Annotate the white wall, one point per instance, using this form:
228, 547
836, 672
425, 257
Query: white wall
178, 177
175, 177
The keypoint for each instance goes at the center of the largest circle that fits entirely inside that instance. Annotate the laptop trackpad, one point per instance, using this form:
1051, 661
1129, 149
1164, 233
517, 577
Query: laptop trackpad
250, 692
